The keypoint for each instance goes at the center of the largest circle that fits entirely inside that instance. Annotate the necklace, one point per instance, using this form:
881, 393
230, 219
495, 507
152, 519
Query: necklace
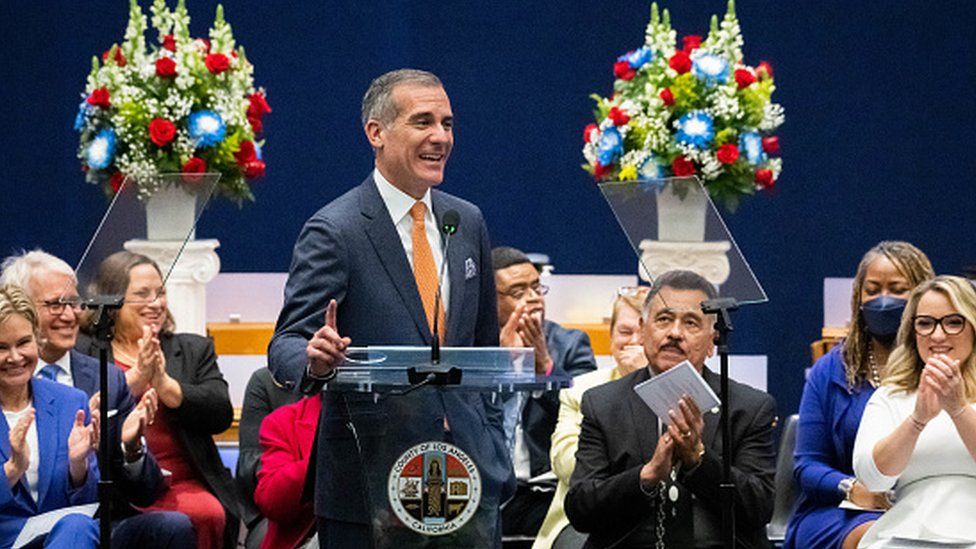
873, 366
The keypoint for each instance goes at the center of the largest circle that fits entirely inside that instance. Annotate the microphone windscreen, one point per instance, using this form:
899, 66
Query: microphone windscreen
450, 221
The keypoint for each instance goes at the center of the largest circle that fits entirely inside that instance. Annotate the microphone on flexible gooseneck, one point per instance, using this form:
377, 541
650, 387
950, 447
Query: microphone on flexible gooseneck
448, 226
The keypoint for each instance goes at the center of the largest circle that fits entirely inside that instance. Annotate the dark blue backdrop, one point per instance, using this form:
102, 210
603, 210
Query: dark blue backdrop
878, 138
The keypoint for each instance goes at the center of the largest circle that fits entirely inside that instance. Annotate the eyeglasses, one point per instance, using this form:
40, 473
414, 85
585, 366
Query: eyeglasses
57, 306
951, 324
518, 292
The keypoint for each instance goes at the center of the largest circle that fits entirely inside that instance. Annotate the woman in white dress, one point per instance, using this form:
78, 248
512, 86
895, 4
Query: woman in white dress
918, 432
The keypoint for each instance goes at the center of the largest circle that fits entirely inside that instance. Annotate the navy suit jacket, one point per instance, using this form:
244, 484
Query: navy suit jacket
55, 406
350, 251
143, 488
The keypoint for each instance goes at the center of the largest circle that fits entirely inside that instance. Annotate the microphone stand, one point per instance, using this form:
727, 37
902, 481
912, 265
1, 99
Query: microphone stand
721, 307
101, 306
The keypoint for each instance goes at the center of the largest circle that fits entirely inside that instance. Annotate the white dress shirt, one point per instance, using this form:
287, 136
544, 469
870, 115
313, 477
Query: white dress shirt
64, 376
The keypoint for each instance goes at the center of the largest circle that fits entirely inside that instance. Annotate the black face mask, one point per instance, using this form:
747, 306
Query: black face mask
883, 316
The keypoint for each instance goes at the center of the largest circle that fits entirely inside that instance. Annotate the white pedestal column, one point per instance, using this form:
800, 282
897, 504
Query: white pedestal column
708, 259
186, 287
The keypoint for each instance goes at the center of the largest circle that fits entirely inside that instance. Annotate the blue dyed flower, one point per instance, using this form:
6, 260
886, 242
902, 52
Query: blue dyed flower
101, 150
696, 129
610, 145
650, 169
638, 58
206, 128
82, 117
711, 69
750, 145
257, 151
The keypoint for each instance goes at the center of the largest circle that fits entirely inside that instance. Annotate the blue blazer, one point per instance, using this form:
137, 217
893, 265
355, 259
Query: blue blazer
55, 406
146, 485
350, 251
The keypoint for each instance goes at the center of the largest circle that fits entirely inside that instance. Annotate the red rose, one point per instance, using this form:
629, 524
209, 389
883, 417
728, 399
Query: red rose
254, 169
728, 153
680, 62
588, 132
258, 105
217, 62
771, 145
165, 67
99, 98
119, 57
618, 116
691, 43
744, 78
623, 70
116, 181
667, 96
194, 166
764, 178
257, 126
681, 166
162, 132
764, 70
246, 153
169, 43
602, 170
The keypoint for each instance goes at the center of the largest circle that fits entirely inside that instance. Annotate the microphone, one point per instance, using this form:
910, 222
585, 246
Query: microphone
448, 226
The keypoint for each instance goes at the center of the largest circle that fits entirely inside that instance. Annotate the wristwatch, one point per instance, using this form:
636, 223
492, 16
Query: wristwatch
846, 486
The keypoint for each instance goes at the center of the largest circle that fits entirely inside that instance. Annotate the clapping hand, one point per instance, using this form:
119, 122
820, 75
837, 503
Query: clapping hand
685, 427
945, 378
509, 335
139, 418
149, 362
19, 460
326, 350
82, 442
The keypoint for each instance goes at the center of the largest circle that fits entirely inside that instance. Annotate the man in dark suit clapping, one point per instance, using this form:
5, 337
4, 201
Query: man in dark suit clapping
641, 482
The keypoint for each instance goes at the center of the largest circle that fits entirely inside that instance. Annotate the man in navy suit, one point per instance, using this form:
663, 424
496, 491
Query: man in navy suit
52, 284
531, 418
354, 281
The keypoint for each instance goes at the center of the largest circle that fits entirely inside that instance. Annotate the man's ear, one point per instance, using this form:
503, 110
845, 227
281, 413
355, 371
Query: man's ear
374, 133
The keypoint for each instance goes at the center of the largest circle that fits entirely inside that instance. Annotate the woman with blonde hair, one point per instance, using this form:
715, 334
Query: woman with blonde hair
837, 389
918, 433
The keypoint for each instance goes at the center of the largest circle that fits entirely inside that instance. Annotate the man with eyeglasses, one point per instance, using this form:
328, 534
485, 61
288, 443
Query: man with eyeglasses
530, 419
644, 481
138, 480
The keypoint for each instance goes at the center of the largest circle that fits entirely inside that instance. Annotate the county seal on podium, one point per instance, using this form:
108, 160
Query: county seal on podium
434, 488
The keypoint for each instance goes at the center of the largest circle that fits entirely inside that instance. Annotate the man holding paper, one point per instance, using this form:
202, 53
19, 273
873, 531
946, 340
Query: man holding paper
644, 481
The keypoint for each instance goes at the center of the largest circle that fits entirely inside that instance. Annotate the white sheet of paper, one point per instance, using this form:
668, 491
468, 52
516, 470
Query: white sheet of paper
43, 523
663, 391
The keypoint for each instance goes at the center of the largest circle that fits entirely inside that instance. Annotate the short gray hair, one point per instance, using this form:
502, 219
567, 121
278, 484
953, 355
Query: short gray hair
21, 269
378, 102
678, 280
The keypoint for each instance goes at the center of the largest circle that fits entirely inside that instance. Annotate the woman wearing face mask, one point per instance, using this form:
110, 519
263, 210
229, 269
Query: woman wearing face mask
628, 356
918, 434
837, 389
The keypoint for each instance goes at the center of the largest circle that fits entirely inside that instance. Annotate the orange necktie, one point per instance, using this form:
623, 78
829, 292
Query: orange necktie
425, 270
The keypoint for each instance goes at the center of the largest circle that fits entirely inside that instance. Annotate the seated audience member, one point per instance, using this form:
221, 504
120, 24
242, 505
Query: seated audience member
531, 418
262, 396
918, 433
193, 397
641, 482
628, 356
48, 451
137, 480
837, 389
287, 435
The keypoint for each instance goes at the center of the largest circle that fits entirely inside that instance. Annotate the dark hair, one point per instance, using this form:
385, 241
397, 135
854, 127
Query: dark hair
678, 280
112, 278
504, 257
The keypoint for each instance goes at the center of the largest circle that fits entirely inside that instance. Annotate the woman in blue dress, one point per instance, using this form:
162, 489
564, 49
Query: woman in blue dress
837, 389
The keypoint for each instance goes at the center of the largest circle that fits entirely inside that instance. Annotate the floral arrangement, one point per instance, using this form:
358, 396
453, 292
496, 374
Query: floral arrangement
183, 105
697, 111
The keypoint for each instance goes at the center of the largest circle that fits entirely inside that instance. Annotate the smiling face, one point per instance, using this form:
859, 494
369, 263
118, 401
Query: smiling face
412, 150
518, 284
59, 328
18, 352
677, 330
145, 302
937, 305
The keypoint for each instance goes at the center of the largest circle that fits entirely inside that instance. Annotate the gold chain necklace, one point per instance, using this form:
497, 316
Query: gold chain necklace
873, 366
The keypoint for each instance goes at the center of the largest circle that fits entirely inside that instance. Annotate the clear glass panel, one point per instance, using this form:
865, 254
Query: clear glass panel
672, 224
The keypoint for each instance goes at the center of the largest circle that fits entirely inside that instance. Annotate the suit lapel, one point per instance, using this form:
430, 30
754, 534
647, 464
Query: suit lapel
386, 241
710, 429
83, 377
456, 254
645, 422
48, 435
